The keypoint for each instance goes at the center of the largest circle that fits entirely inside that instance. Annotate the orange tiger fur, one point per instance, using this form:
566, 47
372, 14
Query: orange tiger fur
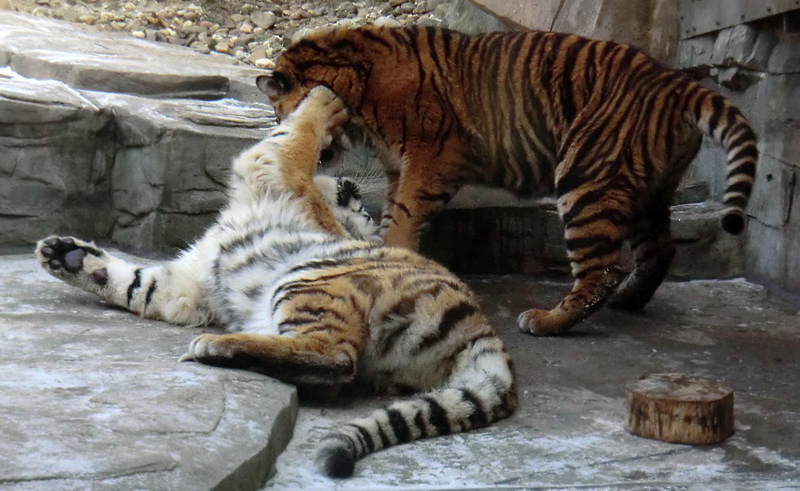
601, 124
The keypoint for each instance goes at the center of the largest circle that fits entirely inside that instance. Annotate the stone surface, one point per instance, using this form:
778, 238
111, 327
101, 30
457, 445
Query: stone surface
650, 24
237, 28
744, 45
57, 156
490, 231
568, 432
94, 397
110, 62
769, 99
145, 171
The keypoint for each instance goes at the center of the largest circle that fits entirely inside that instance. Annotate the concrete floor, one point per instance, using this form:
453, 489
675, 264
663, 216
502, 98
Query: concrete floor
568, 432
93, 398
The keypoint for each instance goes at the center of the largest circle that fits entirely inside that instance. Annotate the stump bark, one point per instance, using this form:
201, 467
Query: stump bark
679, 408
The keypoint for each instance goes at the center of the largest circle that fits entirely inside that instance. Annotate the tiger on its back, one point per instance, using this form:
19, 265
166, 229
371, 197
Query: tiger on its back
603, 125
305, 298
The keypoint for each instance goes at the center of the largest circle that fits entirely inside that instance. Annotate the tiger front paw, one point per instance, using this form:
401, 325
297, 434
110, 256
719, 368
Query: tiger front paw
66, 259
331, 110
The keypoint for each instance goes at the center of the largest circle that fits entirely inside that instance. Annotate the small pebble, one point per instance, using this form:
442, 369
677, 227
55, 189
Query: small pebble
255, 35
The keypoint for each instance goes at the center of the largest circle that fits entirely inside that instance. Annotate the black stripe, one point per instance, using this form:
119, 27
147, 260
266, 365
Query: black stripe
450, 319
366, 437
608, 214
738, 202
447, 37
624, 64
571, 180
403, 208
747, 136
300, 291
585, 199
438, 416
430, 33
478, 417
372, 37
546, 64
567, 97
390, 339
385, 442
748, 151
445, 197
730, 123
399, 426
295, 321
740, 187
747, 168
717, 104
149, 296
598, 244
137, 282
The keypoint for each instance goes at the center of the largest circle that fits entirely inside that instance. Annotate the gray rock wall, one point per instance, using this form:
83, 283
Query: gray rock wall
112, 137
649, 24
757, 65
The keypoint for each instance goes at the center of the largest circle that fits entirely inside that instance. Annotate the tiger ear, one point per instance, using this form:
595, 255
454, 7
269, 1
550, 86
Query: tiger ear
275, 84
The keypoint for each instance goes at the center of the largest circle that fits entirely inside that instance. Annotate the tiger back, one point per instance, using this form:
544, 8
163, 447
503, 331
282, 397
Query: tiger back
291, 271
602, 125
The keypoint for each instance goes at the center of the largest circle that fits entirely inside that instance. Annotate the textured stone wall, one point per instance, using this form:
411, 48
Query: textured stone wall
757, 65
648, 24
111, 137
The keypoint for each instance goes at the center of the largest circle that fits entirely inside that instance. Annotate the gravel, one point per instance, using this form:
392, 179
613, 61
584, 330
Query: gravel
253, 32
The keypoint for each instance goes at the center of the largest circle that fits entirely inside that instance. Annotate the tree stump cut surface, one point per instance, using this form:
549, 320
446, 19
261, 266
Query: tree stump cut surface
679, 408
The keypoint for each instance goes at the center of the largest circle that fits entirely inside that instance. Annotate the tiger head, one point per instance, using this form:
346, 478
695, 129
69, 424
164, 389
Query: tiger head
343, 195
327, 57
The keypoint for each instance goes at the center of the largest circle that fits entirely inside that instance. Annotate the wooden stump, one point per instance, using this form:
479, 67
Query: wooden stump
679, 408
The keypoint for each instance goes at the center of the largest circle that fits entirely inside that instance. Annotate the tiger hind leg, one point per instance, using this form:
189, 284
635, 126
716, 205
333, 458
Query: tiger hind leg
318, 360
651, 238
595, 232
653, 251
311, 341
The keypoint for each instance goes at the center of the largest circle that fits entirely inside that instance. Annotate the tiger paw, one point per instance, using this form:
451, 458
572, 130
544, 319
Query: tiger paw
215, 349
331, 110
67, 258
540, 323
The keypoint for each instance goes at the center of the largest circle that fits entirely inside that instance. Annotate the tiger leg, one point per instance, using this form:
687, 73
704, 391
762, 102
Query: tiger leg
594, 234
318, 360
312, 338
651, 239
287, 159
169, 291
419, 197
653, 251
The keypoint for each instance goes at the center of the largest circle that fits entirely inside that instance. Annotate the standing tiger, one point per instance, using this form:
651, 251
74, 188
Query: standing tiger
604, 126
307, 304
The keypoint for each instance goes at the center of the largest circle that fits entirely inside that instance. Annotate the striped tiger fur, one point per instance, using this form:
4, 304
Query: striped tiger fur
602, 125
314, 304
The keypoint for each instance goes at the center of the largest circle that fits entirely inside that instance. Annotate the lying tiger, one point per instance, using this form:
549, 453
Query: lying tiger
290, 272
603, 126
